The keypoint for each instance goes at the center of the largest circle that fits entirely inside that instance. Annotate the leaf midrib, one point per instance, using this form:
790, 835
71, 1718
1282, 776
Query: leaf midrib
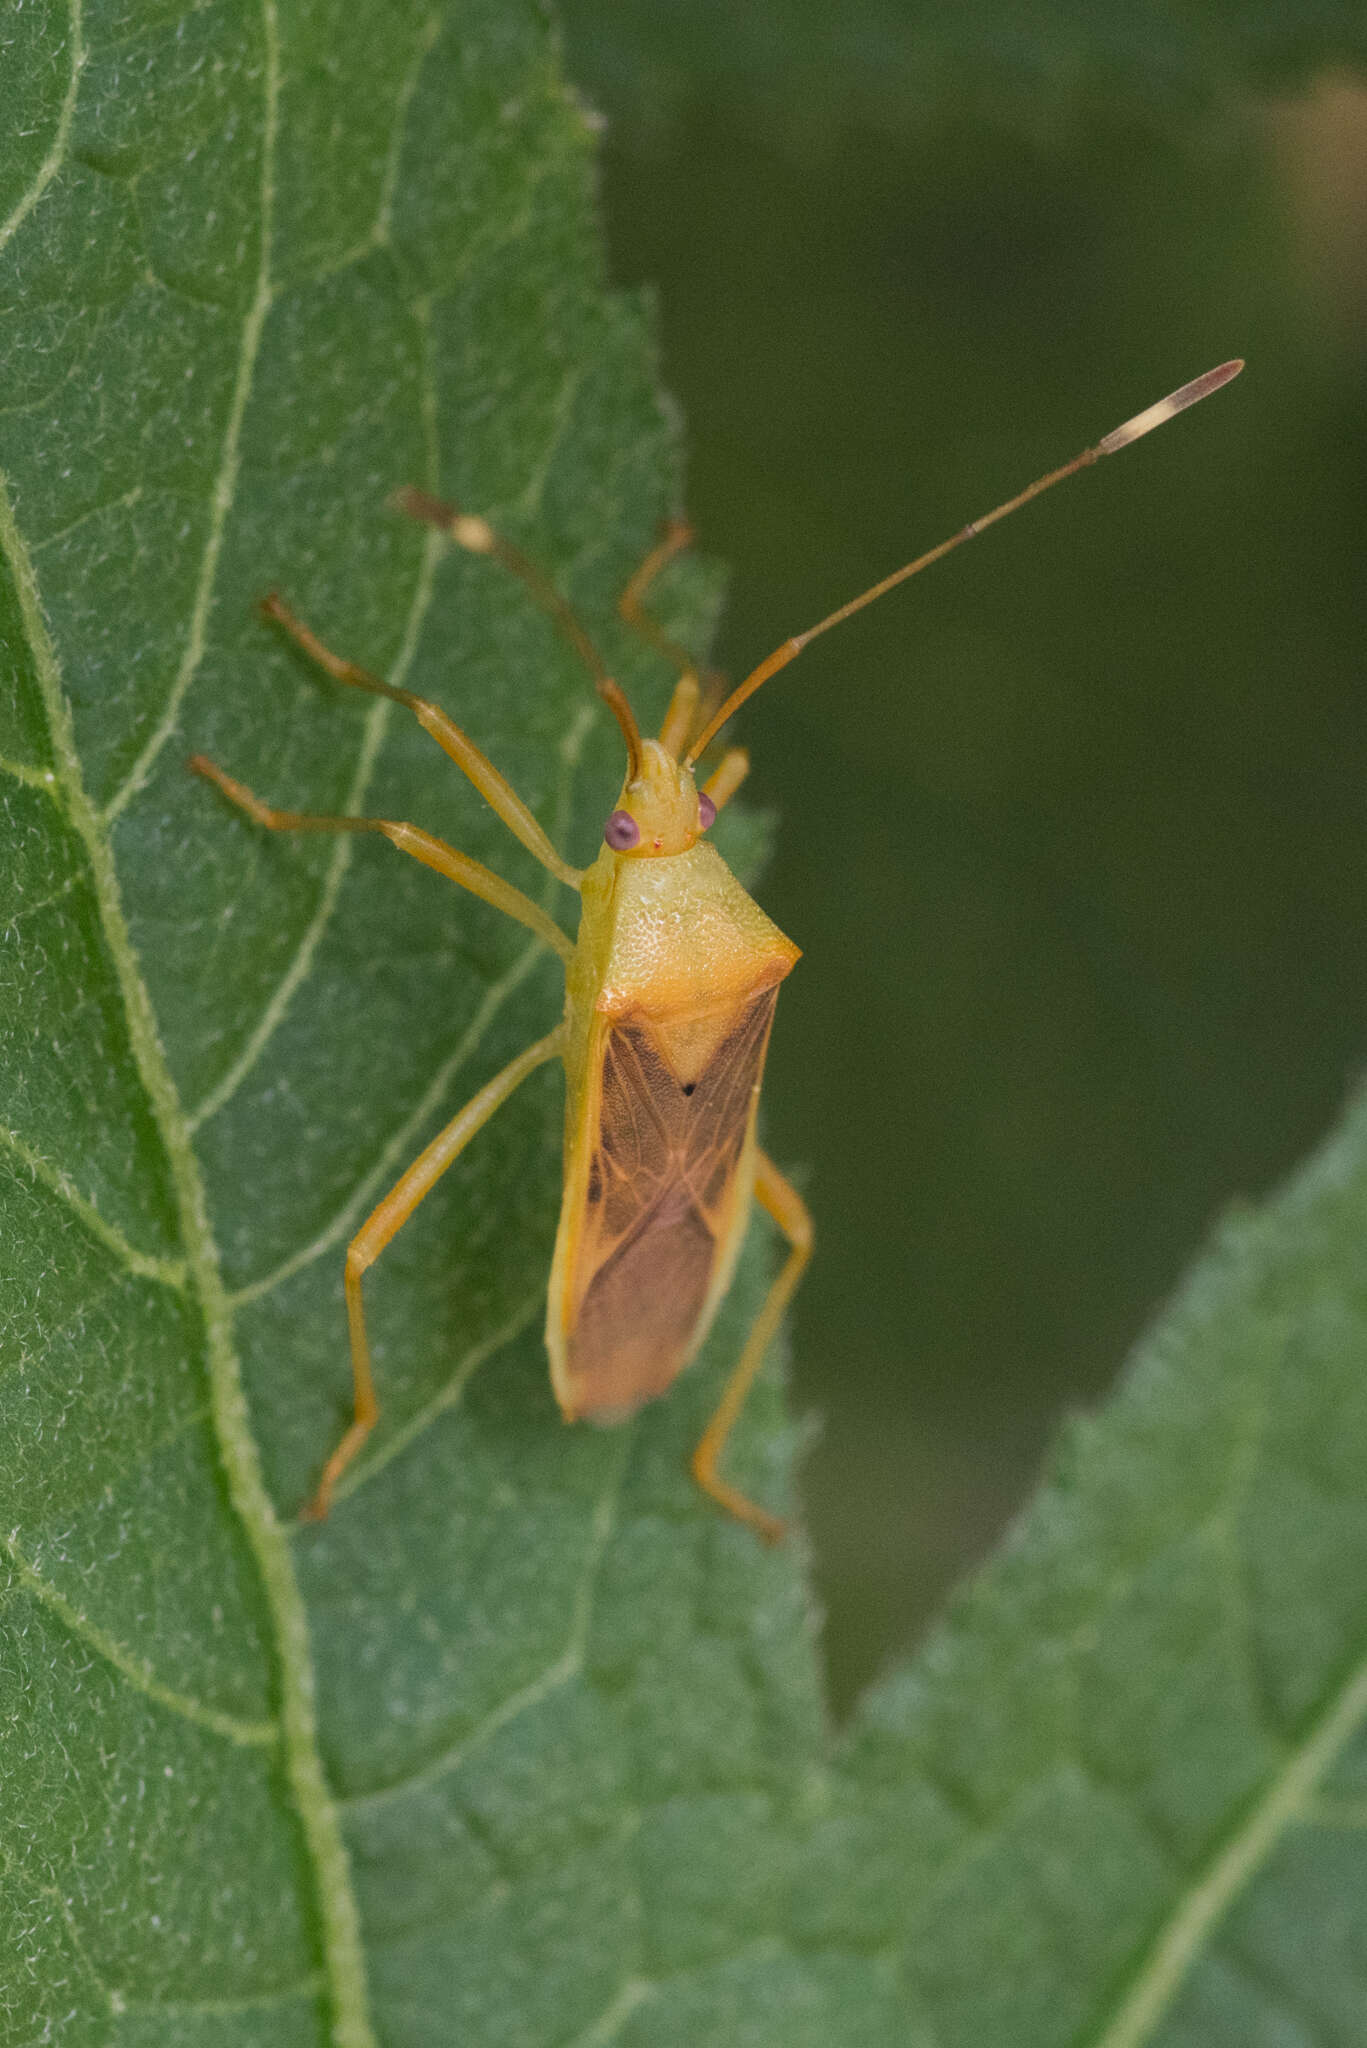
343, 1955
340, 1918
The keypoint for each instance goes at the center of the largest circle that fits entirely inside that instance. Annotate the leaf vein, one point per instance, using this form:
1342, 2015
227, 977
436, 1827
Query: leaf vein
339, 1918
1181, 1939
446, 1397
170, 1272
402, 1141
74, 1936
42, 903
225, 483
297, 973
534, 491
277, 1006
377, 236
384, 213
221, 2008
615, 2014
31, 777
136, 1670
400, 1145
56, 156
124, 502
559, 1672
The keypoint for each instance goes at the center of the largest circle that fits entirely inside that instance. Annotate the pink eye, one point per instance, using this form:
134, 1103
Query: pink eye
707, 811
621, 831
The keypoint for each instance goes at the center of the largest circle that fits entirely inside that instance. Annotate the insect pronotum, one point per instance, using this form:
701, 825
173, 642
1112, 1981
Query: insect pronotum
670, 989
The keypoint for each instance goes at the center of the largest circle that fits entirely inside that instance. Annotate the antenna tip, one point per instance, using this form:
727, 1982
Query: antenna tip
1167, 408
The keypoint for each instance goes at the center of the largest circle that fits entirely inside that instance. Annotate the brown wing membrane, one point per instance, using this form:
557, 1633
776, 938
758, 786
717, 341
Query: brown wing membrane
661, 1193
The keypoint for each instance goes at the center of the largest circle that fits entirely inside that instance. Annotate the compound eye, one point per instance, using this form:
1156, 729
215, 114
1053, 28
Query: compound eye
621, 832
707, 811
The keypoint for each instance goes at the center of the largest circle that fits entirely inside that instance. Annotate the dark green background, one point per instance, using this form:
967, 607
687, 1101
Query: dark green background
1075, 832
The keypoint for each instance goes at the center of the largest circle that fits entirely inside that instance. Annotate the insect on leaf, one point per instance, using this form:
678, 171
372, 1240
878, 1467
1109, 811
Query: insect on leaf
524, 1746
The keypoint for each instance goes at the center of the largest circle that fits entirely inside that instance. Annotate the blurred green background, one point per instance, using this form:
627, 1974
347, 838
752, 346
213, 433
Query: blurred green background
1074, 830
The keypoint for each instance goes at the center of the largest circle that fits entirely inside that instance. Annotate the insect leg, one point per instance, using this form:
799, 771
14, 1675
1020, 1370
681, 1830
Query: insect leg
781, 1200
682, 713
676, 537
479, 538
385, 1221
476, 535
410, 839
498, 793
728, 775
690, 701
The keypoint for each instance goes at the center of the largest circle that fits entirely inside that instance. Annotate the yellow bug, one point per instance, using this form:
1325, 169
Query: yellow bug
670, 993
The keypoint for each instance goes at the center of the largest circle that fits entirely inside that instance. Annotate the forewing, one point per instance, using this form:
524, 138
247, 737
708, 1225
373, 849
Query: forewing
663, 1184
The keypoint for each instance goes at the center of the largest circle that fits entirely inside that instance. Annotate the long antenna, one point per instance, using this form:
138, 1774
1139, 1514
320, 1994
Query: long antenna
1142, 423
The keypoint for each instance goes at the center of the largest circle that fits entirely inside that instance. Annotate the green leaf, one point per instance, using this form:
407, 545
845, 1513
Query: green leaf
524, 1746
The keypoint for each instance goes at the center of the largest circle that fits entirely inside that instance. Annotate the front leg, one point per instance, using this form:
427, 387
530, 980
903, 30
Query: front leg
410, 839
